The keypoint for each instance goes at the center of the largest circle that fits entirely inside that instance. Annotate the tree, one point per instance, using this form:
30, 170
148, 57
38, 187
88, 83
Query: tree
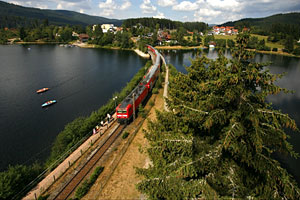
253, 41
22, 33
218, 139
66, 34
16, 178
98, 33
208, 39
230, 43
221, 43
289, 44
180, 34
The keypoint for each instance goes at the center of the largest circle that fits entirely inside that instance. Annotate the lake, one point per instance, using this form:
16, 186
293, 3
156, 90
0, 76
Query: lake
81, 80
287, 103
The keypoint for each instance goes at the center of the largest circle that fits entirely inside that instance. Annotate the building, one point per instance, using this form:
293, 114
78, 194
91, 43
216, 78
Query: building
83, 37
228, 30
74, 34
107, 27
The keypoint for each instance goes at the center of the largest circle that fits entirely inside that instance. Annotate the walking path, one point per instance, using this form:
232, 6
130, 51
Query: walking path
166, 84
142, 54
59, 170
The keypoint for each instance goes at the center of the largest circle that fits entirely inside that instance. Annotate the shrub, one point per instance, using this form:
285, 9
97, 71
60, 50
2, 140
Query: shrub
297, 51
285, 50
84, 188
275, 49
16, 178
125, 135
151, 103
42, 197
155, 91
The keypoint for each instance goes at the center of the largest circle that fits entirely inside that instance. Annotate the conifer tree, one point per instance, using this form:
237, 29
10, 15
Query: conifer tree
219, 138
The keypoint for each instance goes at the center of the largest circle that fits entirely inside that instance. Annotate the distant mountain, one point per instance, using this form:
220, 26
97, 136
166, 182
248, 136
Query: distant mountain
12, 16
288, 18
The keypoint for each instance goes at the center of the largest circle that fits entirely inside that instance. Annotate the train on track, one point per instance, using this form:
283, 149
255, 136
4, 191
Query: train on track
125, 110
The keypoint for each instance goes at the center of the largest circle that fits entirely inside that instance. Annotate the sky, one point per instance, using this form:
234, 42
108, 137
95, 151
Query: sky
208, 11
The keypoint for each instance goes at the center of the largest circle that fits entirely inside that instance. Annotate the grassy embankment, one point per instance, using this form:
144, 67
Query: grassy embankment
261, 37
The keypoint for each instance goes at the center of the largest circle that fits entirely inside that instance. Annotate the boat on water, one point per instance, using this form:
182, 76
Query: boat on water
48, 103
42, 90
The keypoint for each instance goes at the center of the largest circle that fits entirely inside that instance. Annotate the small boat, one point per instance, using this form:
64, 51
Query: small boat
42, 90
48, 103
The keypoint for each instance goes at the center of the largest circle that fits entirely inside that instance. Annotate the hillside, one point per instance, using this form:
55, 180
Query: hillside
266, 22
12, 16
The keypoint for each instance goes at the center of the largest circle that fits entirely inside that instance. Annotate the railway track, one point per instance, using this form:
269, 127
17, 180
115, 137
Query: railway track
68, 189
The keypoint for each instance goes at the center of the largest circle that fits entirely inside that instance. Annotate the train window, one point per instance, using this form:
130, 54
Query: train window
121, 111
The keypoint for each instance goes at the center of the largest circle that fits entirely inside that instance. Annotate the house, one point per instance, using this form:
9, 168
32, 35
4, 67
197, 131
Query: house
228, 30
107, 27
83, 37
119, 29
74, 34
212, 44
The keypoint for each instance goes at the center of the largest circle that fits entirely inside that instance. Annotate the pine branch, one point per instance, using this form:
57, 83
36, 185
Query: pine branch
213, 155
168, 140
229, 133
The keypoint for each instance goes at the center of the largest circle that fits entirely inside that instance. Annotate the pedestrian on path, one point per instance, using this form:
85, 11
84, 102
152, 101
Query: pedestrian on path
108, 118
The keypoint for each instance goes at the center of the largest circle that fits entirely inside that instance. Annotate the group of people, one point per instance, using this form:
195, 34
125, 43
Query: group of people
99, 128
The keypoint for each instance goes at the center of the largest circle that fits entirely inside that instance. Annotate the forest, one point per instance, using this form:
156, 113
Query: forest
165, 24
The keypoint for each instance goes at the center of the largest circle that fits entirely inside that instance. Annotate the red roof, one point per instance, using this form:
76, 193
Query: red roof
83, 36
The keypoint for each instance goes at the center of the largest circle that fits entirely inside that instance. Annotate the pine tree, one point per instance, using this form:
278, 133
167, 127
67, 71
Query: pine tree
219, 139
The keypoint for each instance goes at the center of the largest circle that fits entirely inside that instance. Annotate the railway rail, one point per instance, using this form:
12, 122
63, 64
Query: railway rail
68, 189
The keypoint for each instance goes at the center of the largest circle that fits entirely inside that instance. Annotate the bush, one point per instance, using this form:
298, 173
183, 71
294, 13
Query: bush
275, 49
84, 188
42, 197
142, 111
16, 178
151, 103
125, 135
155, 91
297, 51
230, 43
285, 50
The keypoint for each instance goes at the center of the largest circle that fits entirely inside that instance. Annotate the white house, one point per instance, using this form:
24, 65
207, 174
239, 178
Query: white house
107, 27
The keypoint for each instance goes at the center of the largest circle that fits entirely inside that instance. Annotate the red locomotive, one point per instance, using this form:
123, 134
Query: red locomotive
125, 108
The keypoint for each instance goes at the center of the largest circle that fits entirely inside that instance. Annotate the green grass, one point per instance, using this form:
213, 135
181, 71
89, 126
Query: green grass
226, 37
269, 44
260, 37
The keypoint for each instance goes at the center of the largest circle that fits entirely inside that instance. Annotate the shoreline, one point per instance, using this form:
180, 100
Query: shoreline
178, 47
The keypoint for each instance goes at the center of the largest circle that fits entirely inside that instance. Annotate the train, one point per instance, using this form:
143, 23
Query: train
125, 109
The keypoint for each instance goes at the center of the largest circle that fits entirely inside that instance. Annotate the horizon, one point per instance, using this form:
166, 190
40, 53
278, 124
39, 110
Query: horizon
207, 11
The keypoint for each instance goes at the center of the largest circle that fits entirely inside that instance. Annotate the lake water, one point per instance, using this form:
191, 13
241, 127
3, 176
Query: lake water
287, 103
81, 80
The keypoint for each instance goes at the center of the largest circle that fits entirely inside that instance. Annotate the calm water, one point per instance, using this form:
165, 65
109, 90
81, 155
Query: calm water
81, 80
287, 103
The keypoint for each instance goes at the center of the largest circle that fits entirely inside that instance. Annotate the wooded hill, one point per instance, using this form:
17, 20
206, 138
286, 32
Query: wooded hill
165, 23
289, 18
13, 16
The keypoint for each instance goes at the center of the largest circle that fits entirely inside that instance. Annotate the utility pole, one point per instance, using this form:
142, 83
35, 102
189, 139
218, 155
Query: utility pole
133, 106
